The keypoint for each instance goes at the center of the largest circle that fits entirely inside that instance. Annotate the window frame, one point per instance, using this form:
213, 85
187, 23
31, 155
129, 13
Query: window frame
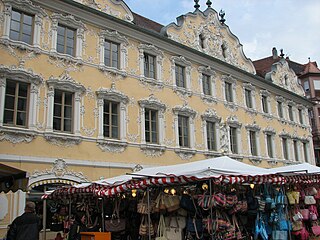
285, 148
21, 28
148, 65
183, 124
62, 116
229, 93
26, 7
233, 136
149, 134
295, 143
269, 145
186, 66
151, 50
111, 59
265, 102
290, 113
211, 75
111, 125
65, 40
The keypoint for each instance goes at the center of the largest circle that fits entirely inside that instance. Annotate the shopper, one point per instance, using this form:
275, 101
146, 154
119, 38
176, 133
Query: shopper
77, 227
27, 226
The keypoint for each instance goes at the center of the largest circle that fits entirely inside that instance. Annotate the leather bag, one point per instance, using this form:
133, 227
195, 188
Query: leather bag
173, 230
115, 224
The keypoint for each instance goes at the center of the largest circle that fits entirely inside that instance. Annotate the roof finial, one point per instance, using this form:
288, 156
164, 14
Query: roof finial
209, 3
282, 54
222, 14
196, 5
309, 59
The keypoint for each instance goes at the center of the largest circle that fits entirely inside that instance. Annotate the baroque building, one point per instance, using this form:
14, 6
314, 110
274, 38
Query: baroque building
90, 89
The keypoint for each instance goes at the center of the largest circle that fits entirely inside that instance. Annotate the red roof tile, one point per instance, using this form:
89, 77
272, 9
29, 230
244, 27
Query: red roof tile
146, 23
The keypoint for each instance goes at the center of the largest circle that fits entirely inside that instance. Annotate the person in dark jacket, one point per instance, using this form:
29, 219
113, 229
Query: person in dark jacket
27, 226
77, 227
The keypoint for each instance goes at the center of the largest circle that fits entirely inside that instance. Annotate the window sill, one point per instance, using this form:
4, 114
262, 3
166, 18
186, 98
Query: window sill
251, 111
212, 153
255, 160
183, 91
185, 153
267, 115
153, 150
65, 57
16, 135
20, 45
231, 105
113, 70
208, 98
151, 81
112, 145
62, 139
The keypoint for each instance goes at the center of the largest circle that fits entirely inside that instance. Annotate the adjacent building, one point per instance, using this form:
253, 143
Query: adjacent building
90, 89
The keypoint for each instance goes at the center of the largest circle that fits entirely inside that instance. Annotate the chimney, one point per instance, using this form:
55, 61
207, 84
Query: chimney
274, 53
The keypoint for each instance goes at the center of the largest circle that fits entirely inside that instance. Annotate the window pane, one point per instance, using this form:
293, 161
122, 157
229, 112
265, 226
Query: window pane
21, 118
68, 112
67, 125
8, 117
70, 33
61, 31
115, 132
11, 87
114, 120
14, 35
15, 26
22, 104
9, 102
15, 15
27, 19
68, 98
57, 110
27, 29
26, 39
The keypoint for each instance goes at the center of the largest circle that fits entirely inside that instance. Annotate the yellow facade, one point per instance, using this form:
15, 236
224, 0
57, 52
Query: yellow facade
84, 154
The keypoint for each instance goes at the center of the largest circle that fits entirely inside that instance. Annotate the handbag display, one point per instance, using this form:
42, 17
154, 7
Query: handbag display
115, 224
171, 202
173, 230
305, 213
159, 203
316, 230
302, 234
297, 226
293, 197
279, 235
182, 221
309, 200
187, 204
143, 208
161, 234
311, 191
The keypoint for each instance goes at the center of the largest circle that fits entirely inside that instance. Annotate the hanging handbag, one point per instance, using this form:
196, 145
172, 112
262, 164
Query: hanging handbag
303, 234
159, 203
144, 227
297, 226
260, 229
311, 191
309, 200
161, 234
279, 235
305, 213
316, 230
115, 224
293, 197
172, 202
219, 200
173, 230
142, 206
187, 204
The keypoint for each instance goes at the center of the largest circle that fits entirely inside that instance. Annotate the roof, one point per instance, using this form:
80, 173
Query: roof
146, 23
310, 68
263, 66
12, 179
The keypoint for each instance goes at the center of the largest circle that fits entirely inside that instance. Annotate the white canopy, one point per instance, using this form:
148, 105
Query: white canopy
301, 168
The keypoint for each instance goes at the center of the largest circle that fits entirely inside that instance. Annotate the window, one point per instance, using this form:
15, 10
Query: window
16, 103
211, 136
111, 119
316, 84
253, 143
306, 86
65, 40
149, 66
22, 24
151, 126
21, 27
62, 111
180, 76
233, 140
285, 148
269, 139
206, 84
228, 92
248, 97
280, 109
183, 128
67, 36
290, 112
300, 113
111, 54
296, 150
305, 151
264, 102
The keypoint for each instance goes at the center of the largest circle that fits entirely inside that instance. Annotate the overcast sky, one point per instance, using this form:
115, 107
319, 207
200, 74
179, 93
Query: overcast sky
260, 25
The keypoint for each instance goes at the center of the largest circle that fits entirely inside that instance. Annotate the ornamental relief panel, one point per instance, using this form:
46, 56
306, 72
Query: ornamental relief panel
204, 32
282, 75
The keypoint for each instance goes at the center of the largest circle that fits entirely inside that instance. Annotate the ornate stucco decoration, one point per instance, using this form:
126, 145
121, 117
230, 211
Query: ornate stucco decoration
59, 170
152, 102
269, 130
282, 75
16, 135
255, 160
65, 82
253, 127
184, 110
212, 74
204, 32
185, 154
233, 121
112, 145
115, 8
152, 150
211, 115
20, 74
285, 134
62, 140
137, 168
112, 94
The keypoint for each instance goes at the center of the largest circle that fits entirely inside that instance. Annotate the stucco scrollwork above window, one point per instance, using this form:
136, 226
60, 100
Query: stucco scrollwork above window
211, 75
253, 127
65, 82
122, 41
185, 111
269, 130
152, 103
233, 121
229, 103
211, 115
29, 8
112, 94
69, 21
284, 134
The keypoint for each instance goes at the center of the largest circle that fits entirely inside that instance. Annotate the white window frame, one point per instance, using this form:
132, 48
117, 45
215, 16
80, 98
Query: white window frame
306, 150
296, 152
211, 116
112, 95
252, 89
68, 21
233, 121
232, 81
287, 146
123, 42
153, 104
21, 75
212, 75
27, 7
256, 129
191, 114
158, 54
292, 105
267, 95
181, 61
281, 100
65, 83
270, 132
302, 118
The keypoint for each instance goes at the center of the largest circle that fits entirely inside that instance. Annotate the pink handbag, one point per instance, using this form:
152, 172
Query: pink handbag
316, 230
305, 213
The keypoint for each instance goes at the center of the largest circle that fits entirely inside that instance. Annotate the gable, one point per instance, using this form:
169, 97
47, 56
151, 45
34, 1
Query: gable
204, 32
282, 75
115, 8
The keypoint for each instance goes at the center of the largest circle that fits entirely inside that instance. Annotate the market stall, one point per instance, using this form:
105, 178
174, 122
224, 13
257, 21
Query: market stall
218, 198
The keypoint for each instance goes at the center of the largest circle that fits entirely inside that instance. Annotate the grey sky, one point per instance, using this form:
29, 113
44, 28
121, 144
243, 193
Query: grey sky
293, 25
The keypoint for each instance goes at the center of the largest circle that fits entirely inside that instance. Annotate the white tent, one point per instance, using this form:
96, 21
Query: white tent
301, 168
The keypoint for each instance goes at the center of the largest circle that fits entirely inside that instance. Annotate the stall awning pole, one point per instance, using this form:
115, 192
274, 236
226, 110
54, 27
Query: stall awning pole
44, 217
149, 217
